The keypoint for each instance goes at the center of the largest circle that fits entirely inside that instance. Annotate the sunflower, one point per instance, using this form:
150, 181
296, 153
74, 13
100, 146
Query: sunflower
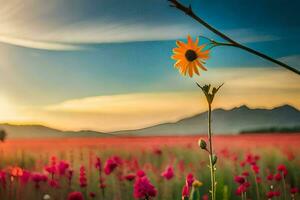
189, 57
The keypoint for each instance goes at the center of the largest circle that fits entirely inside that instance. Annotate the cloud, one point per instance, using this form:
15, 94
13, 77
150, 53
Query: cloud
55, 46
245, 35
255, 87
53, 26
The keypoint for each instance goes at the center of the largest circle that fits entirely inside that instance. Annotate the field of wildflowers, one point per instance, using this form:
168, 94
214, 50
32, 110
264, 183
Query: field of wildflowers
249, 167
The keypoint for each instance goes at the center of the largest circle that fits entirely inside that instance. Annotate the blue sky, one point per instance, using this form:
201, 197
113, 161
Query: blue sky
61, 50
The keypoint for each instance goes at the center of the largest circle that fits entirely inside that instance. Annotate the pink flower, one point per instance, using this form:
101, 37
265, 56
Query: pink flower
240, 190
185, 192
140, 173
82, 177
168, 173
98, 164
111, 164
245, 173
270, 194
258, 179
25, 177
37, 178
75, 196
53, 183
143, 188
276, 193
189, 180
62, 167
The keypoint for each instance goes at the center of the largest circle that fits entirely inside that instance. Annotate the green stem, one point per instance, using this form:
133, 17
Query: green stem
257, 191
211, 165
284, 185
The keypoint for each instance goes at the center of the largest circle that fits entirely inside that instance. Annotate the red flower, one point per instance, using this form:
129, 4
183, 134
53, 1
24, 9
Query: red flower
270, 194
143, 188
75, 196
245, 173
98, 163
282, 169
276, 193
255, 168
62, 167
277, 177
92, 195
239, 179
270, 177
130, 177
294, 190
168, 173
258, 179
241, 189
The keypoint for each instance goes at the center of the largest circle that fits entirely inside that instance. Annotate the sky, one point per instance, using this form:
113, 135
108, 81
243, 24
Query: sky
105, 65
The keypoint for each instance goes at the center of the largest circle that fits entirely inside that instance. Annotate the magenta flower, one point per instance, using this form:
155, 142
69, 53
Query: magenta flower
75, 196
62, 167
140, 173
255, 168
37, 178
111, 164
25, 177
185, 192
239, 179
294, 190
189, 180
143, 189
3, 179
82, 177
168, 173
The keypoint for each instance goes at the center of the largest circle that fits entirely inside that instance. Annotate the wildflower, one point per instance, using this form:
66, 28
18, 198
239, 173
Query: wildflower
270, 194
37, 178
143, 189
82, 177
53, 183
189, 179
130, 177
239, 179
197, 184
258, 179
62, 167
98, 164
3, 179
270, 177
92, 195
240, 190
185, 192
16, 171
245, 173
168, 173
140, 173
255, 168
276, 193
282, 169
70, 176
277, 177
46, 197
294, 190
75, 196
111, 164
25, 177
189, 57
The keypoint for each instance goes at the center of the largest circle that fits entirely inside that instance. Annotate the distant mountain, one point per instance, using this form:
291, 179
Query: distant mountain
226, 122
39, 131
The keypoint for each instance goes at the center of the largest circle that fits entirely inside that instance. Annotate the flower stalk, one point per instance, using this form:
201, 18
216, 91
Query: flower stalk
210, 94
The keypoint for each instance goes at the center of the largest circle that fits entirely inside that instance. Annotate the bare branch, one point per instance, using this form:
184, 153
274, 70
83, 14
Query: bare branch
188, 10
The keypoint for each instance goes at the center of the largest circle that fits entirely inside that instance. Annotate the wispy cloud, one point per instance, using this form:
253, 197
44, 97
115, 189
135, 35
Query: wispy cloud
50, 26
255, 87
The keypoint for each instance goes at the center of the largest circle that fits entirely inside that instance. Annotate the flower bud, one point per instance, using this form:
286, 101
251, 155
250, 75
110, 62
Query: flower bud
197, 184
202, 144
214, 159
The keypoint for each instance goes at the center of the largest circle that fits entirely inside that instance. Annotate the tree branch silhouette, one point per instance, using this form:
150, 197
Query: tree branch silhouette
188, 11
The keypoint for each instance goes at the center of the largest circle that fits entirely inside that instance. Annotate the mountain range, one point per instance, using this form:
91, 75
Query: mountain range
230, 121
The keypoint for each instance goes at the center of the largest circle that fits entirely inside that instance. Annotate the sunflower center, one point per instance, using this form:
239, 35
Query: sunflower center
190, 55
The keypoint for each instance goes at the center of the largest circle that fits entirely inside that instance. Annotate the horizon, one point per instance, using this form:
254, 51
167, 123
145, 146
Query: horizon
103, 66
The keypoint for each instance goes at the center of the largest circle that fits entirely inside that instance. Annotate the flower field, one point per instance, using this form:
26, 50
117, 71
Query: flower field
166, 168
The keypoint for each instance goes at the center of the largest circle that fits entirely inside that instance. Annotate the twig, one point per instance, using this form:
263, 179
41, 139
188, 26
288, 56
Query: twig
188, 10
